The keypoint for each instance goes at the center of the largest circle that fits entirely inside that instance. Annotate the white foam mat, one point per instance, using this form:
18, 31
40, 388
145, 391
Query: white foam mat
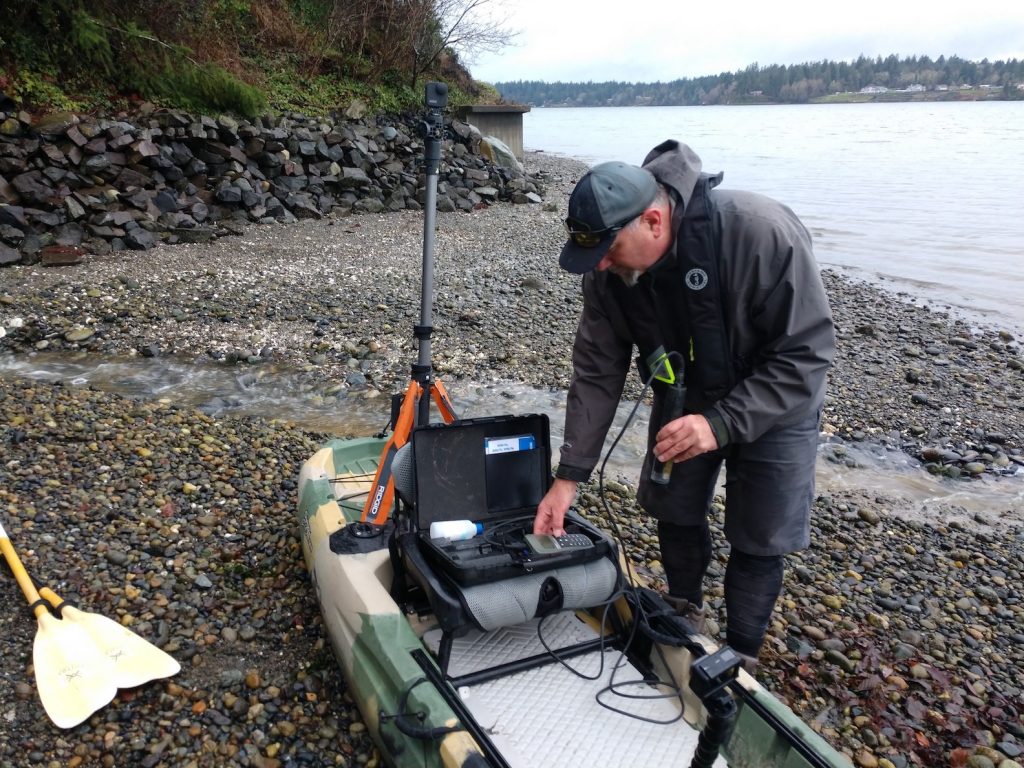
550, 718
478, 651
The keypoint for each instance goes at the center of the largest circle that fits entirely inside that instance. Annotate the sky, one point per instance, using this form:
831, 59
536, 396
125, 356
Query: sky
579, 40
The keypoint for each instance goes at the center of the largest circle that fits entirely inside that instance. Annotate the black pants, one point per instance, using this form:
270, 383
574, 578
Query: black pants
769, 489
752, 582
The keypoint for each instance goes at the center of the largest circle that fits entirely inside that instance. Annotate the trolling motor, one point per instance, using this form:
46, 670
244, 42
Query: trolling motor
413, 408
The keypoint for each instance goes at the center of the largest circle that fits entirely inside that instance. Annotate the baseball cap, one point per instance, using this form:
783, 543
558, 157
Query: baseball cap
607, 198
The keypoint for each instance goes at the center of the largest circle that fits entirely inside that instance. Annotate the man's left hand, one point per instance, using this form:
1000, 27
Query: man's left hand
684, 438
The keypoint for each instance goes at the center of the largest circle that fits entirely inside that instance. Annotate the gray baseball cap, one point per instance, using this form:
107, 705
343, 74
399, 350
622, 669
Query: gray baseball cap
607, 198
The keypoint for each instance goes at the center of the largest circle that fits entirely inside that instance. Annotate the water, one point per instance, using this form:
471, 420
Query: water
291, 395
281, 393
926, 198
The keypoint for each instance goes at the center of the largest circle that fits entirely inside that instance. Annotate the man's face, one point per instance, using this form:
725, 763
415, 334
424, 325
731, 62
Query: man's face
636, 249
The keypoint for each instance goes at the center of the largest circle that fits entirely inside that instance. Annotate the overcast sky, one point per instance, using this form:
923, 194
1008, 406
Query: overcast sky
648, 40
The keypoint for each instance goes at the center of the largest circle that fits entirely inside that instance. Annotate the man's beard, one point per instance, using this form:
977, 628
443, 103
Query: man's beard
629, 276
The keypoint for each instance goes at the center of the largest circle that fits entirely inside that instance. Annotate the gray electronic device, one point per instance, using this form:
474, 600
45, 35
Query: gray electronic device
544, 544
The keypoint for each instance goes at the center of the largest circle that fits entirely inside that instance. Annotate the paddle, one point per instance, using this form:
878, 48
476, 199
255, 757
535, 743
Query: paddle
73, 677
136, 661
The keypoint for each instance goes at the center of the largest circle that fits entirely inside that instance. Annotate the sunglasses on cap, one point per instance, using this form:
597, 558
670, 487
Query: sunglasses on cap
584, 236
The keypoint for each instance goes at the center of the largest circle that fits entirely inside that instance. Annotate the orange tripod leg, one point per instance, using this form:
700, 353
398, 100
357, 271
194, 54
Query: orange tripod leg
382, 492
444, 403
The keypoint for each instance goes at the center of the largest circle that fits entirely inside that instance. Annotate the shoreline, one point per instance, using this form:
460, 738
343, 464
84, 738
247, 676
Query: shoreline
850, 97
182, 525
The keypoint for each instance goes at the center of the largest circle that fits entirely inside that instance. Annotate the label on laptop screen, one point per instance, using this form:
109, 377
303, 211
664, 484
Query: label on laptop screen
512, 444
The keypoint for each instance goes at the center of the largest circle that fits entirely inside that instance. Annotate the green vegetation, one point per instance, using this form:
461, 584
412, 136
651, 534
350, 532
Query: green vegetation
319, 56
812, 82
238, 56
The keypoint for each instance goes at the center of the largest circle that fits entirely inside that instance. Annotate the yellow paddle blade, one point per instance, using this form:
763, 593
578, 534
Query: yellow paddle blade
135, 660
73, 677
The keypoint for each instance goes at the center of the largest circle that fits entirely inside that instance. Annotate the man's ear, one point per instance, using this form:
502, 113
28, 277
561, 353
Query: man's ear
654, 219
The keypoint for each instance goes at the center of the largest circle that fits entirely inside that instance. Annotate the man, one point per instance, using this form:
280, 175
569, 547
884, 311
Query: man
725, 282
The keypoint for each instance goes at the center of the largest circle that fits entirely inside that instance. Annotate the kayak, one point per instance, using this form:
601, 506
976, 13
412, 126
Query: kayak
509, 696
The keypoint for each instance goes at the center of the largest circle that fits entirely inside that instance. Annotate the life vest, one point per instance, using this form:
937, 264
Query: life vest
687, 315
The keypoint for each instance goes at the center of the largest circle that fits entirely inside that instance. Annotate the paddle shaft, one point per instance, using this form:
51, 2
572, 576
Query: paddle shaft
22, 577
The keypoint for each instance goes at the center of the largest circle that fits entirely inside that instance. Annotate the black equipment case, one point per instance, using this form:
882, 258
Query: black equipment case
493, 471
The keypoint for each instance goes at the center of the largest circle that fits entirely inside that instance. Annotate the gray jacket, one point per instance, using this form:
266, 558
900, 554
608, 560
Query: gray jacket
778, 322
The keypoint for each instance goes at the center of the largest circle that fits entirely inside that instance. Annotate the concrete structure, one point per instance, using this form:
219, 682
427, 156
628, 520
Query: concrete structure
503, 121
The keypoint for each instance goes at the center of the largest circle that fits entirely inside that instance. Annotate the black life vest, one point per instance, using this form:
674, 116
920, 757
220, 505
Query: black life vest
688, 315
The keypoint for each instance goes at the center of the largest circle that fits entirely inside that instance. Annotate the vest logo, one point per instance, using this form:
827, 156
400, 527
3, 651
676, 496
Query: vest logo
696, 279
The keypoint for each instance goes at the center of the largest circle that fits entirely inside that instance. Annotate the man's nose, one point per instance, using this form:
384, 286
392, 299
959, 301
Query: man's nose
604, 263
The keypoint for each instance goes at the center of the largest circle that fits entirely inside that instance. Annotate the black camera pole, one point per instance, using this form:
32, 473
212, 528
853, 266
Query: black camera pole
433, 132
413, 408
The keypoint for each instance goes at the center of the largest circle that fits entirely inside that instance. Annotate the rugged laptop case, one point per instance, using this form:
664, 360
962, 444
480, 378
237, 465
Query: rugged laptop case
494, 471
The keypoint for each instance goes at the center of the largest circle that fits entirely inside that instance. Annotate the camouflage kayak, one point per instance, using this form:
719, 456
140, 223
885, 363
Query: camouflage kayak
501, 697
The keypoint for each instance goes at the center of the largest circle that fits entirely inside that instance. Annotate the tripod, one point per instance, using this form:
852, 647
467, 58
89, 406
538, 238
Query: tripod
423, 388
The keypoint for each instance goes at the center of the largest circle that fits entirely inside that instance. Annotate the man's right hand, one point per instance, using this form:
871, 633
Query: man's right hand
552, 508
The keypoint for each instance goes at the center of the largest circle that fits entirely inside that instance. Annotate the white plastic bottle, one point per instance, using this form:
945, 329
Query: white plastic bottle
455, 529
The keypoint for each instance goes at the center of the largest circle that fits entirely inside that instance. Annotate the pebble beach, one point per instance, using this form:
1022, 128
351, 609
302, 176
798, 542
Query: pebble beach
899, 637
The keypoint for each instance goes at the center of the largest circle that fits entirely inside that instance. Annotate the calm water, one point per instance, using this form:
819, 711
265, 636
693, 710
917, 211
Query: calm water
924, 198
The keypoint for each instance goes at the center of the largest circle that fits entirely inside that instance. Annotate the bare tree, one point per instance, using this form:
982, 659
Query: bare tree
467, 27
411, 36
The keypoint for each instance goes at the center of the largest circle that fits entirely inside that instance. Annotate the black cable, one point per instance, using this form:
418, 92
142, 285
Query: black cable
638, 617
604, 616
612, 686
674, 690
662, 363
490, 534
402, 718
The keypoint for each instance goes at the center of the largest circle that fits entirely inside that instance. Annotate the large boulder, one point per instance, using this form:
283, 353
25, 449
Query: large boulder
498, 152
8, 255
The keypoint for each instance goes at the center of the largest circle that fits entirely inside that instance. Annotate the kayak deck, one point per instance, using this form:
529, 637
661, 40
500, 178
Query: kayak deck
549, 716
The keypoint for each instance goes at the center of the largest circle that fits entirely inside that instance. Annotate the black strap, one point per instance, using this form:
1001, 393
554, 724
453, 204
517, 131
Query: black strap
705, 299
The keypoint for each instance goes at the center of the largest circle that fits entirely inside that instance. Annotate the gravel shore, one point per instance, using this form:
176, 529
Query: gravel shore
900, 640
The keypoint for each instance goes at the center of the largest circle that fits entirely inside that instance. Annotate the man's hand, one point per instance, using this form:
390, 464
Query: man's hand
552, 508
684, 438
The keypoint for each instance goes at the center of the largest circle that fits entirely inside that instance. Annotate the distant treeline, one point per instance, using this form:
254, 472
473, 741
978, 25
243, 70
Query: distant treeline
792, 84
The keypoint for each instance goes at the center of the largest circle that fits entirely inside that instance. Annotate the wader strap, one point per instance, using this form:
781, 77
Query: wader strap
710, 356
